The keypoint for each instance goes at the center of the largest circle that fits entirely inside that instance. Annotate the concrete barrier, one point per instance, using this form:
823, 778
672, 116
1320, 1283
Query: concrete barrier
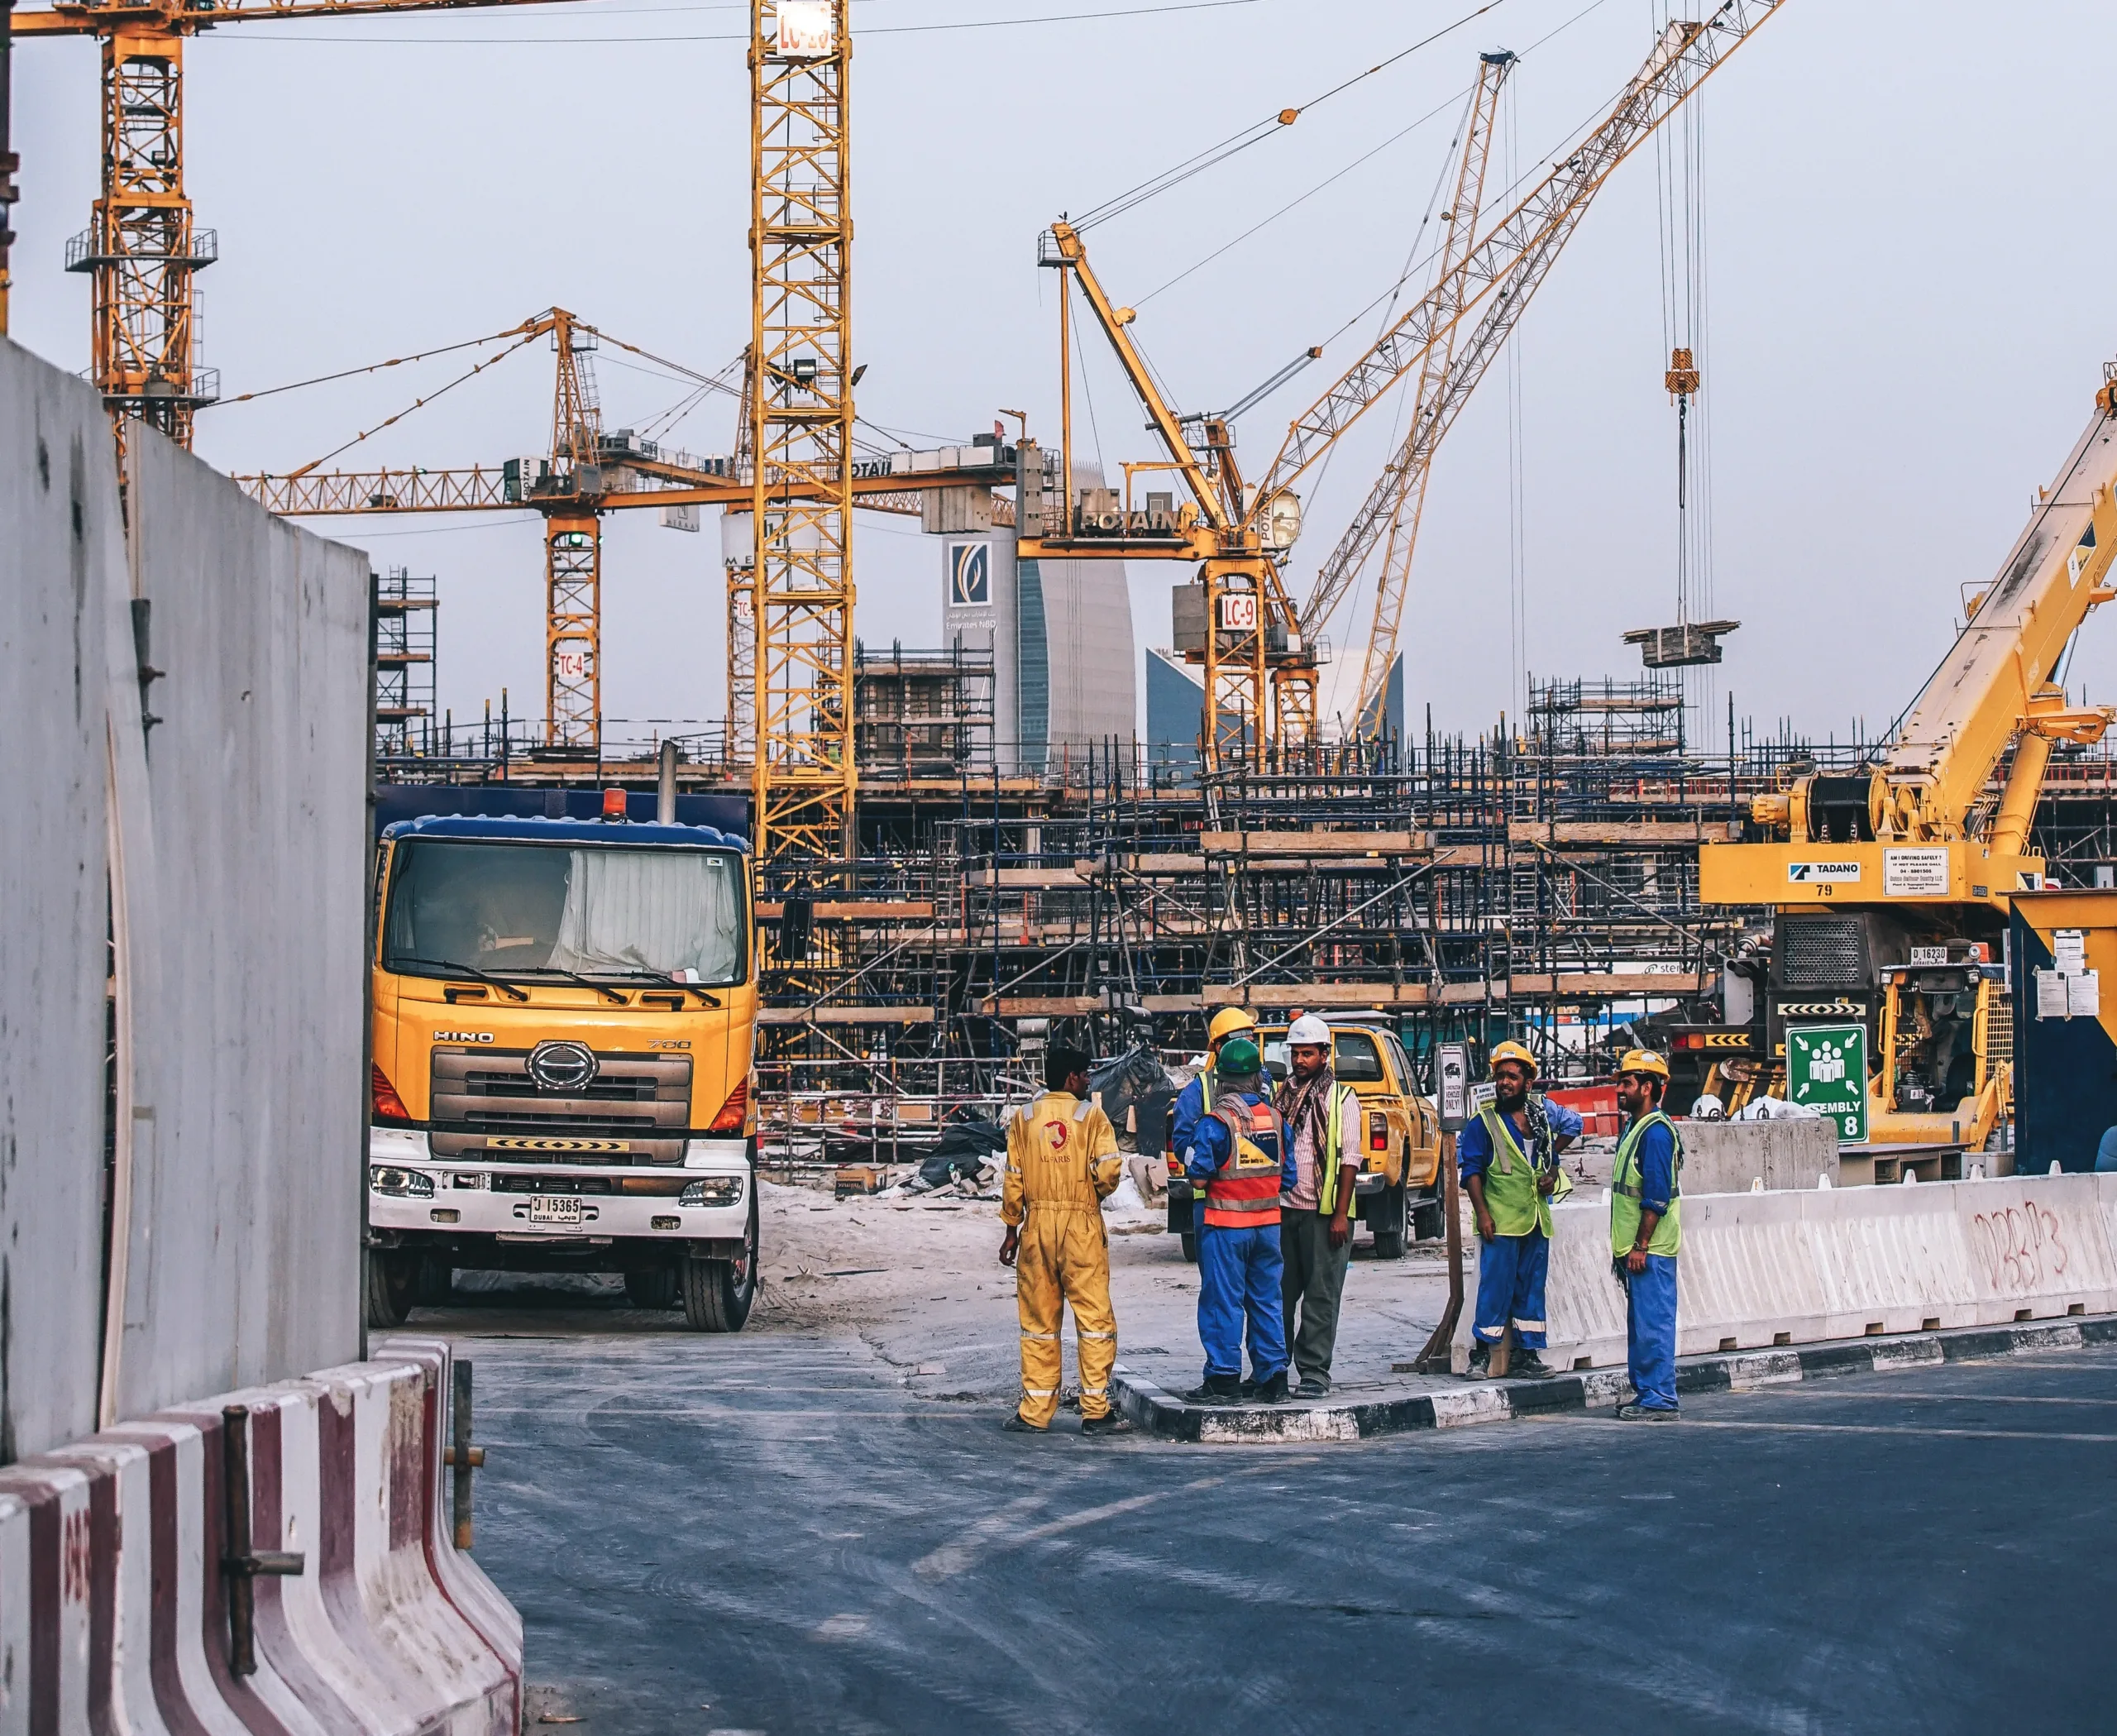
113, 1613
1726, 1157
1786, 1268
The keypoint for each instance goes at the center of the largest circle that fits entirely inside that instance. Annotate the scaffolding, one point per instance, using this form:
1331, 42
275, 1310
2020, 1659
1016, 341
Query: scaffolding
406, 612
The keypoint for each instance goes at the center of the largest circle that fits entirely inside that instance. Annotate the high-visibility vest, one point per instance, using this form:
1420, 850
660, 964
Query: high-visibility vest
1624, 1191
1517, 1206
1329, 1160
1244, 1192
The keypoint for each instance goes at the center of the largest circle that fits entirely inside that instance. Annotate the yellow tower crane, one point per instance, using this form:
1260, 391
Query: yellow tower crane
804, 779
1261, 670
141, 249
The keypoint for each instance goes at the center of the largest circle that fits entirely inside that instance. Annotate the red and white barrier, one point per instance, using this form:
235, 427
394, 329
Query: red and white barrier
114, 1605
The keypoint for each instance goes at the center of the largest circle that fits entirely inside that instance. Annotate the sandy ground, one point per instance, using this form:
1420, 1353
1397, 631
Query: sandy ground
918, 1280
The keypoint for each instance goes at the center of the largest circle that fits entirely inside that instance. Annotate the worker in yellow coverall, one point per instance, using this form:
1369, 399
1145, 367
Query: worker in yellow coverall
1062, 1161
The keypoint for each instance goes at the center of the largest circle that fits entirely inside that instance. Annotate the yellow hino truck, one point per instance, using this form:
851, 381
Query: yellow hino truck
564, 1017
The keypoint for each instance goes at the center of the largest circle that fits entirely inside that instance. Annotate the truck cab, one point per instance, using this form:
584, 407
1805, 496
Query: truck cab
564, 1017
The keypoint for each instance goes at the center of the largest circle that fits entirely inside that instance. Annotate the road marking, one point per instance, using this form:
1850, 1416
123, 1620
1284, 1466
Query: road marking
951, 1559
1885, 1429
1970, 1398
840, 1626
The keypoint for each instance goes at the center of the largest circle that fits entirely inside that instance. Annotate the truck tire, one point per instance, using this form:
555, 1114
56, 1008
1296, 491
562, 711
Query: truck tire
1189, 1238
1385, 1217
653, 1288
388, 1282
718, 1292
433, 1282
1428, 1223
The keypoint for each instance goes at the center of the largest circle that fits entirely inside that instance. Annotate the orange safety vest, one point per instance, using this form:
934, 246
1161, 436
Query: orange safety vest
1244, 1192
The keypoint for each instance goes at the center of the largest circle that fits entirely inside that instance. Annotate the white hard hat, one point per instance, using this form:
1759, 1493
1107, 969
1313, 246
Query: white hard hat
1308, 1029
1708, 1108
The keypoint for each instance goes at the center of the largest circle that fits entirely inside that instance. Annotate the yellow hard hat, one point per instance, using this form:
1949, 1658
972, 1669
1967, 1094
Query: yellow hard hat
1230, 1019
1511, 1051
1644, 1060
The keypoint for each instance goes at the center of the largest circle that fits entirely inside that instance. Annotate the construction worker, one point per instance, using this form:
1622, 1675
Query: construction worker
1062, 1162
1240, 1159
1509, 1161
1322, 1119
1646, 1230
1196, 1099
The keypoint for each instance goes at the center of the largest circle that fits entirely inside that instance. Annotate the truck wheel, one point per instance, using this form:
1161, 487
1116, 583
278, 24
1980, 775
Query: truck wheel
655, 1288
389, 1281
1385, 1216
1189, 1238
433, 1282
718, 1292
1428, 1224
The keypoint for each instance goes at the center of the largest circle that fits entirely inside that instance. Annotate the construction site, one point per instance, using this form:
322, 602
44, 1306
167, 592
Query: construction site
726, 1001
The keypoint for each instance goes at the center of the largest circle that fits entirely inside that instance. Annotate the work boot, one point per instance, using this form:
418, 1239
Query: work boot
1108, 1424
1217, 1389
1648, 1414
1528, 1366
1312, 1389
1015, 1425
1480, 1366
1272, 1391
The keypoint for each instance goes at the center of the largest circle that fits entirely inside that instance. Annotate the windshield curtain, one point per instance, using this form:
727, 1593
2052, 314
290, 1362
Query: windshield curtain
601, 911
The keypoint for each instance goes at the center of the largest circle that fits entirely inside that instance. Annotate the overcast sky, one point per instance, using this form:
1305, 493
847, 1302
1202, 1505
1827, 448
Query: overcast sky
1908, 292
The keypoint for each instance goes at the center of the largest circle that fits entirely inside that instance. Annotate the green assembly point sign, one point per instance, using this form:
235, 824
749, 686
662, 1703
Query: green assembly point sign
1827, 1071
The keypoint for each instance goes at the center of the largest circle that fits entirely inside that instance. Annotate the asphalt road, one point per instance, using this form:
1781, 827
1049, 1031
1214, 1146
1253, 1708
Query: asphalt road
777, 1534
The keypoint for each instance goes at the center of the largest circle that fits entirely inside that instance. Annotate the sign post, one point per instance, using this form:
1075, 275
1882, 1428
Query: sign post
1827, 1071
1451, 1082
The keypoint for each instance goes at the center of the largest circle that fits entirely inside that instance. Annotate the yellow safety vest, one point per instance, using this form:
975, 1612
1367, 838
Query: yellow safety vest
1625, 1180
1511, 1192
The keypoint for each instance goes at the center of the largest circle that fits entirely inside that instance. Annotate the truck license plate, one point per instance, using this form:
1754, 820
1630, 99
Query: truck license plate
552, 1208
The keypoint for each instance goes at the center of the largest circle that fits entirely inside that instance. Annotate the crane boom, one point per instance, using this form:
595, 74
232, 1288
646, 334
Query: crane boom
1685, 55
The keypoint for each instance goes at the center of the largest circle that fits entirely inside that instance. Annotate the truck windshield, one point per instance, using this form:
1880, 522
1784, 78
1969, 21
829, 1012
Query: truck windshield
600, 911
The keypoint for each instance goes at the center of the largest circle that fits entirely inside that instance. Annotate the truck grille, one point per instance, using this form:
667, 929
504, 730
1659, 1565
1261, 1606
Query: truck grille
1824, 951
636, 1110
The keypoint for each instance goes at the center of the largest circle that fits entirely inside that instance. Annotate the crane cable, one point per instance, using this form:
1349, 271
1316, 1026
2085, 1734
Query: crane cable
373, 367
1255, 133
416, 404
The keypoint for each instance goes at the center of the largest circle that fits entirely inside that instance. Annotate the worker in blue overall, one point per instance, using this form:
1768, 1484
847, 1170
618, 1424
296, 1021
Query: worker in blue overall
1507, 1157
1194, 1100
1240, 1159
1646, 1230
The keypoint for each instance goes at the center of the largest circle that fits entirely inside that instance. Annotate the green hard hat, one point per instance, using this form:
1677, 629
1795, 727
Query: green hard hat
1238, 1058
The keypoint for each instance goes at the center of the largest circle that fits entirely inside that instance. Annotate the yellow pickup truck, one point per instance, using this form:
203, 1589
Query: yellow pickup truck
564, 1017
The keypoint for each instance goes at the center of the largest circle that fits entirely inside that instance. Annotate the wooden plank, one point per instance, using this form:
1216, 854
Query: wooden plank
845, 1016
1028, 879
1630, 985
1314, 843
1173, 1003
1044, 1006
1620, 833
858, 910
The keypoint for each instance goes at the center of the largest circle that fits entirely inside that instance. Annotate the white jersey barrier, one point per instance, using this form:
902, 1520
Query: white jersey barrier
1759, 1269
114, 1613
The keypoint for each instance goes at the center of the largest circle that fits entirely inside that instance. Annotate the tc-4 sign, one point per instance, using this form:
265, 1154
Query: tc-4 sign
1827, 1071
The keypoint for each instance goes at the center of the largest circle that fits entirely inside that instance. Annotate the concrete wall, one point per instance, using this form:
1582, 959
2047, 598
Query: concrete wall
61, 570
1725, 1157
244, 876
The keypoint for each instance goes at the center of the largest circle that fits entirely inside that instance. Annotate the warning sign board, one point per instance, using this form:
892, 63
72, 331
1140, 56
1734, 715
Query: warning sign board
1827, 1071
1915, 873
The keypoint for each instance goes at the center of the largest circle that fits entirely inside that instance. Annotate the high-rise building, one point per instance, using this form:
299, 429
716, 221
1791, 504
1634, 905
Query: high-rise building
1060, 636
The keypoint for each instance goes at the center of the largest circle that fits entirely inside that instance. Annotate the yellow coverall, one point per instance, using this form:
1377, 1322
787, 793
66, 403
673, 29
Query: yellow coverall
1062, 1160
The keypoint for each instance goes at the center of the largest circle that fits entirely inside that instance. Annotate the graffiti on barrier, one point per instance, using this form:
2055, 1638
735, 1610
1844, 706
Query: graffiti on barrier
2019, 1248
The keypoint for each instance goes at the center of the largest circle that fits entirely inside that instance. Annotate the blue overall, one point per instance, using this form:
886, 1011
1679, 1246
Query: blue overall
1241, 1271
1182, 1123
1512, 1268
1650, 1295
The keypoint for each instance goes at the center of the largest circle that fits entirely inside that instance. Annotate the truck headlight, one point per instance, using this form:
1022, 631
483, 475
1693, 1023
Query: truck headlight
713, 1190
399, 1184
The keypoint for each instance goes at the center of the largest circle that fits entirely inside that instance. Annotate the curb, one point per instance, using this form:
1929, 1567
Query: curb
1157, 1412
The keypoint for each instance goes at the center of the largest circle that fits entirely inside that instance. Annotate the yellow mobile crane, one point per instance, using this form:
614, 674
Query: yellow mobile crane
1260, 672
1892, 884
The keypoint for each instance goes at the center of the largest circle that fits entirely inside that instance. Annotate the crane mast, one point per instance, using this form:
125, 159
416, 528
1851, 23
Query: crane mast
804, 779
